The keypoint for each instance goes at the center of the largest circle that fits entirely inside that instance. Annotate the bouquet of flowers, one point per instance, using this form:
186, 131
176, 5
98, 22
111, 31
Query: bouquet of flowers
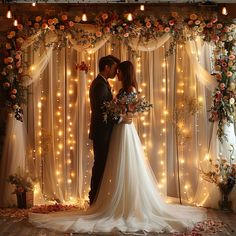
22, 183
123, 104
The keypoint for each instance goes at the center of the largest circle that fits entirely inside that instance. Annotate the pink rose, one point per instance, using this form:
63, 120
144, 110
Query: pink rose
215, 38
18, 56
107, 29
219, 26
44, 25
52, 27
227, 29
231, 57
104, 16
20, 27
167, 29
171, 22
209, 25
71, 23
38, 18
62, 27
190, 22
193, 16
9, 67
6, 85
218, 96
98, 34
218, 76
13, 96
214, 20
36, 25
14, 91
229, 73
8, 46
64, 17
148, 24
222, 86
50, 22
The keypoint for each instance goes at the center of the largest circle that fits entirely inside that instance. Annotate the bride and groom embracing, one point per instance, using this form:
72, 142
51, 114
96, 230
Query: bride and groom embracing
124, 195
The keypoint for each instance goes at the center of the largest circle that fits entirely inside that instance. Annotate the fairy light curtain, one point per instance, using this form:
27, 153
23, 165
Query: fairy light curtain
58, 116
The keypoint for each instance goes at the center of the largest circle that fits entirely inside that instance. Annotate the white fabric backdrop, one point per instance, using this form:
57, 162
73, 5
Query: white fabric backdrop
58, 117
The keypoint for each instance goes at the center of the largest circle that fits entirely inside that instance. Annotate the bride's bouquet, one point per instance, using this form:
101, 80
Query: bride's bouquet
125, 103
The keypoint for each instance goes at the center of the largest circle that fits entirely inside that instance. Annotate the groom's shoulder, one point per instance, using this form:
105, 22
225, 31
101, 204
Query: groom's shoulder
98, 80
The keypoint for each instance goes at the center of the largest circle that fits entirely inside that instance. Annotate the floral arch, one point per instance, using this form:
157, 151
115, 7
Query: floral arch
142, 33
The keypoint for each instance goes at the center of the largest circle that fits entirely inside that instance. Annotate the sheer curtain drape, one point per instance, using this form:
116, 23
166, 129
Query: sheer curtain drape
58, 116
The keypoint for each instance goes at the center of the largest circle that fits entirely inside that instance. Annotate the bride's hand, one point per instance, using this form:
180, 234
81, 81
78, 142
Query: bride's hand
127, 118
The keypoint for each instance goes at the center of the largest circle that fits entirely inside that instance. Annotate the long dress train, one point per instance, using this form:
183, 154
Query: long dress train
128, 199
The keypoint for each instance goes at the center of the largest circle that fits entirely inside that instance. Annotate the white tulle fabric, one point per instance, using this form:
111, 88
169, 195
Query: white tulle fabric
128, 199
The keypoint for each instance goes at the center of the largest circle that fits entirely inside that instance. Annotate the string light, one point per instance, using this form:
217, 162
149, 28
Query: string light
9, 13
224, 11
84, 17
15, 23
33, 4
142, 8
129, 16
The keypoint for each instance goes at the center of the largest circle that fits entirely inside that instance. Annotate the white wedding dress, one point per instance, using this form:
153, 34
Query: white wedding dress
128, 199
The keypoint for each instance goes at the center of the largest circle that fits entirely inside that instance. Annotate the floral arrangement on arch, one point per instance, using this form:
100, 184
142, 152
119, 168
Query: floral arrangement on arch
224, 38
144, 27
224, 96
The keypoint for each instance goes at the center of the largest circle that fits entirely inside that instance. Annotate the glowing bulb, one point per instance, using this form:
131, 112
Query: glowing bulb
9, 13
224, 11
39, 104
33, 4
15, 23
84, 17
129, 17
142, 7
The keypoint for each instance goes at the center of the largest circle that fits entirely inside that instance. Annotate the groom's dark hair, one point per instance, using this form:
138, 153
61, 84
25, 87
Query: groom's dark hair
107, 60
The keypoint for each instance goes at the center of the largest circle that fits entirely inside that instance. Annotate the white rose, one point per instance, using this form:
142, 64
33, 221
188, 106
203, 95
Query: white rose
231, 101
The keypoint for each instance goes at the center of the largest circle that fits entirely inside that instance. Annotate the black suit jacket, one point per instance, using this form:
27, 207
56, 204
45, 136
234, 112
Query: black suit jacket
99, 93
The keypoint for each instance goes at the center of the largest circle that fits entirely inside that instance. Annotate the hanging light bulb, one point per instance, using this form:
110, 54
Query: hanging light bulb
9, 13
130, 17
142, 7
84, 17
15, 23
34, 4
224, 11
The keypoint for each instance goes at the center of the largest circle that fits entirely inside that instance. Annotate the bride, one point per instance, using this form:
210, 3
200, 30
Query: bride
128, 199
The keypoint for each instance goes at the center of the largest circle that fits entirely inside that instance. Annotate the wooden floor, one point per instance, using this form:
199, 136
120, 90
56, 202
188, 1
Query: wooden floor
19, 227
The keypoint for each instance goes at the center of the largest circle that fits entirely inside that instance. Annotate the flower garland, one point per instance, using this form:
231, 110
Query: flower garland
223, 36
143, 27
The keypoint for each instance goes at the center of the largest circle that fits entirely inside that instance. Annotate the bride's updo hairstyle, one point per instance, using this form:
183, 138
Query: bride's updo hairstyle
126, 69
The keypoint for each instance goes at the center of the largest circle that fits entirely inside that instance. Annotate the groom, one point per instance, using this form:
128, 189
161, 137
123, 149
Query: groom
100, 131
